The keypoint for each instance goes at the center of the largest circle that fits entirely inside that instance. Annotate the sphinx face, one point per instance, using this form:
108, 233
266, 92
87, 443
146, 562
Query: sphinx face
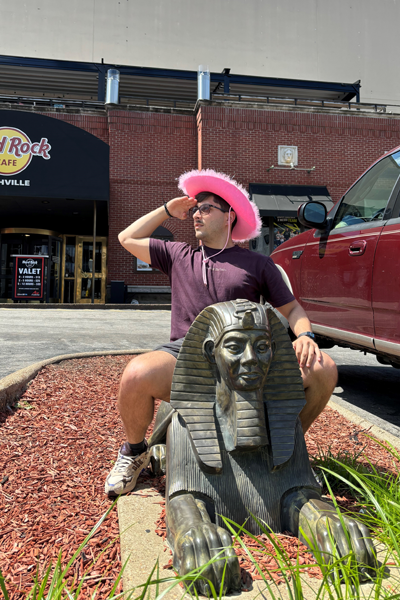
243, 359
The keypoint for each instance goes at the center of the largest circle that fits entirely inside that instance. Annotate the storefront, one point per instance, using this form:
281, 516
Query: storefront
278, 206
54, 191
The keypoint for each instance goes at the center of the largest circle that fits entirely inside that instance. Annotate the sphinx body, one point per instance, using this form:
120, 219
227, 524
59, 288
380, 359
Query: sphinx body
247, 483
235, 445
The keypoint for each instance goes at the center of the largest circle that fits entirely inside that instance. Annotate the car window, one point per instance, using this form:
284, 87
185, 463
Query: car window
367, 199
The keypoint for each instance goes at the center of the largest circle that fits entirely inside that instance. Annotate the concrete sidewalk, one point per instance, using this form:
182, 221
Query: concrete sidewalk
29, 336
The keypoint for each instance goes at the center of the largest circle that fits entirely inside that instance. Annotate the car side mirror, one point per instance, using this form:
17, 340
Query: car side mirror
312, 214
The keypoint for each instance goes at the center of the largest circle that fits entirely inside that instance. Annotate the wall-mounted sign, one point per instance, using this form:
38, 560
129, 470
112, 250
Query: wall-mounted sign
16, 150
287, 155
43, 157
28, 281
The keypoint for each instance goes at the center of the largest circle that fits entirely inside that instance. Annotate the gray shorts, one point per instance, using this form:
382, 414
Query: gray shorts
172, 347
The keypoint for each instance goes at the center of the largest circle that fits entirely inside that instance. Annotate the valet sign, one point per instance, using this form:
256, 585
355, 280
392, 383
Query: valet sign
28, 277
16, 152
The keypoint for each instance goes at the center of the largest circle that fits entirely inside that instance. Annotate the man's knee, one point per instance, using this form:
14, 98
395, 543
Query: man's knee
319, 383
137, 373
322, 374
148, 374
328, 371
134, 375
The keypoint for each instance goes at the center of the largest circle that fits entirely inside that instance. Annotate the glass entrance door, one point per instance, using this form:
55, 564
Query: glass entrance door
37, 242
84, 270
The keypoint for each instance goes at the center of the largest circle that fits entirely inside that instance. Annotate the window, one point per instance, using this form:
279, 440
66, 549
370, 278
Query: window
143, 267
367, 199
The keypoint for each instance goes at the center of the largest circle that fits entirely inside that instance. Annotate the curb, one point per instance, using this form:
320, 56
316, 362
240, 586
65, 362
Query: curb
13, 385
373, 430
16, 306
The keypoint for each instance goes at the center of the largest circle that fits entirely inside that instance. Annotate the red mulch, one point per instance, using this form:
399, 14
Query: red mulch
56, 451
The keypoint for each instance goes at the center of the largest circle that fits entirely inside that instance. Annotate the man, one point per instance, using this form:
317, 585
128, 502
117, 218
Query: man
214, 272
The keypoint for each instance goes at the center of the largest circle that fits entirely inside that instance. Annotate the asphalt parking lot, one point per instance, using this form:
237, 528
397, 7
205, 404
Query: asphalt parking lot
365, 386
28, 336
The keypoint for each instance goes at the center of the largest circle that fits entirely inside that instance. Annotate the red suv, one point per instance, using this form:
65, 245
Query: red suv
345, 272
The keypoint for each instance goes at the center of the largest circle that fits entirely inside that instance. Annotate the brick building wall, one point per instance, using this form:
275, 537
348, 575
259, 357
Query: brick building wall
150, 149
244, 143
92, 123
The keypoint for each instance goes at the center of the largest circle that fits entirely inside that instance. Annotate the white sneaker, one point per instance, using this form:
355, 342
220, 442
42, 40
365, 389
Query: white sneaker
124, 474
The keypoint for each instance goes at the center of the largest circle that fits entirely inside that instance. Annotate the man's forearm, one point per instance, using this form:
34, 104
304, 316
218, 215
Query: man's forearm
306, 349
297, 317
135, 238
144, 227
299, 323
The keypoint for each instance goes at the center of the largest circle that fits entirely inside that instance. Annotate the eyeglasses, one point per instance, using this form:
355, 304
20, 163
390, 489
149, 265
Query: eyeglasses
204, 209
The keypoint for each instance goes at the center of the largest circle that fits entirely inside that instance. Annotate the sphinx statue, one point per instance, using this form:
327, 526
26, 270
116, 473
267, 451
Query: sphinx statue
235, 445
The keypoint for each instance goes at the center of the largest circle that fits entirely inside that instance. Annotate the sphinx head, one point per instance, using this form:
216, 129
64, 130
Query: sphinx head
242, 349
242, 358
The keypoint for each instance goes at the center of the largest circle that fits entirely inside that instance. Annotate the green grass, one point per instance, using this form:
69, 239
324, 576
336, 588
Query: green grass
24, 405
379, 494
334, 466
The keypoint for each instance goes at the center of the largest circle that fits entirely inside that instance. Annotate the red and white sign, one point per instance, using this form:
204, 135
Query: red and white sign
28, 277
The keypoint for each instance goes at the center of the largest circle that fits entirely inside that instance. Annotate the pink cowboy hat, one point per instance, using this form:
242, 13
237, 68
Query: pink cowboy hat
248, 224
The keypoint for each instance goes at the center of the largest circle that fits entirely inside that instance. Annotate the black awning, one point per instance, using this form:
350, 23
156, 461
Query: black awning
284, 200
57, 214
162, 233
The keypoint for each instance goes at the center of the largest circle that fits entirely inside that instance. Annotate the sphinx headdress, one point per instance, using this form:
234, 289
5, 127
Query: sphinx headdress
193, 392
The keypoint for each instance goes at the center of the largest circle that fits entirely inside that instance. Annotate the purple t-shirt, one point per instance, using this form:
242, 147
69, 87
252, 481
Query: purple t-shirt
235, 273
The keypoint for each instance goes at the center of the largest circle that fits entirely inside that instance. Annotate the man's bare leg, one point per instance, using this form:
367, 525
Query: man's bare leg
319, 382
145, 378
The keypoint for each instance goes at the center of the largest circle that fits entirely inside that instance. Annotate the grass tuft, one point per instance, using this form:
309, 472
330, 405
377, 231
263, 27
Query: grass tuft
333, 465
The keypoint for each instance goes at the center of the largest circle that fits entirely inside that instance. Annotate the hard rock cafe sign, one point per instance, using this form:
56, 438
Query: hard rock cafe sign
17, 150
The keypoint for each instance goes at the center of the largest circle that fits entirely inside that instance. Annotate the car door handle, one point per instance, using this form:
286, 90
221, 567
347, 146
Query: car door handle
357, 248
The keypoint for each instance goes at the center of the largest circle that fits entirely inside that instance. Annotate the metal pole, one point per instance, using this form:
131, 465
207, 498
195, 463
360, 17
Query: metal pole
94, 248
271, 235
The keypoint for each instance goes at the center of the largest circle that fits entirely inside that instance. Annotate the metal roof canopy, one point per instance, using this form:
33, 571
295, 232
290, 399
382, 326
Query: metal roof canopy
23, 74
284, 200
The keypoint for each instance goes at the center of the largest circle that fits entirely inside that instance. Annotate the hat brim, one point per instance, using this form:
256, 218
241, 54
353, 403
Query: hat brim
248, 224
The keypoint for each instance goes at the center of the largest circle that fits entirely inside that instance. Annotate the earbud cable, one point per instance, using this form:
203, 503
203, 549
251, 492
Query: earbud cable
205, 259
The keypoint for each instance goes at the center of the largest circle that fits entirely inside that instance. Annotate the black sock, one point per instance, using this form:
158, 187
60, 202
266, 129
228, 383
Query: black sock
137, 448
